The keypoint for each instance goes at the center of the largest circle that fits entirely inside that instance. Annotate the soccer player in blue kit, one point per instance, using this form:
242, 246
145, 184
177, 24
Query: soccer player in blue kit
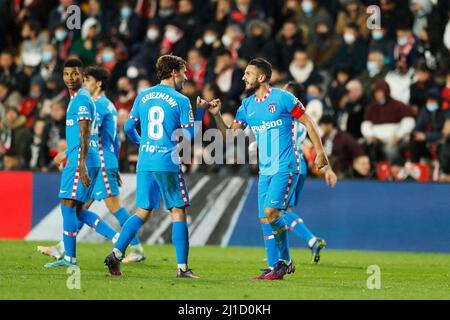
83, 164
270, 113
106, 186
160, 110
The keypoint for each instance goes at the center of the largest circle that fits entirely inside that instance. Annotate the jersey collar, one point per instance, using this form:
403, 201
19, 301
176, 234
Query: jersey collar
78, 91
265, 96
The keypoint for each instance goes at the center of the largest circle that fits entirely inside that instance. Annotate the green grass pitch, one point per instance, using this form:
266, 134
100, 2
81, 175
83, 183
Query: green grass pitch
225, 274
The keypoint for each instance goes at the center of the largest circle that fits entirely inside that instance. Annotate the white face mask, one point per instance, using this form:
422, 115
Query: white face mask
209, 39
349, 38
226, 40
171, 35
152, 34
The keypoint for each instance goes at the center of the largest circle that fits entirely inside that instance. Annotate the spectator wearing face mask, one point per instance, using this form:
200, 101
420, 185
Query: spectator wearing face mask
405, 46
353, 51
323, 44
374, 71
420, 89
426, 15
50, 65
232, 40
256, 41
32, 102
380, 42
400, 80
209, 44
147, 52
387, 124
86, 46
129, 26
354, 12
62, 41
174, 40
286, 43
196, 67
126, 94
395, 15
427, 134
33, 42
108, 59
166, 11
311, 12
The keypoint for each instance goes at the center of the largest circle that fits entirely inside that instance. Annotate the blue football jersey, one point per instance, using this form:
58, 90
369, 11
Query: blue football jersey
300, 136
81, 107
108, 138
272, 123
160, 110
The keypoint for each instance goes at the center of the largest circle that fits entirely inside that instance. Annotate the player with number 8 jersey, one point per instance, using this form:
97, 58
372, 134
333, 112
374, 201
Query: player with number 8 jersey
160, 111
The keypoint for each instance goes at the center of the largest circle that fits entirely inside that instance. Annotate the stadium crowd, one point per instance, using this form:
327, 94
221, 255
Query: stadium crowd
380, 95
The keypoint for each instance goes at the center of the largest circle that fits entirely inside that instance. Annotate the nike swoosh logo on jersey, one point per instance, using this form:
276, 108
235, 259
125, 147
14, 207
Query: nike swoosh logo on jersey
252, 114
273, 202
62, 191
99, 193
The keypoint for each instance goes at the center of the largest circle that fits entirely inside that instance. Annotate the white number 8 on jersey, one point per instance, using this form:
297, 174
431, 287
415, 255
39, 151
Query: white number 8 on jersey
155, 120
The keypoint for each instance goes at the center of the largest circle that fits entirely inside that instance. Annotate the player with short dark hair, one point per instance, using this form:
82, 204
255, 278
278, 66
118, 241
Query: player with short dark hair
83, 164
160, 110
106, 186
270, 113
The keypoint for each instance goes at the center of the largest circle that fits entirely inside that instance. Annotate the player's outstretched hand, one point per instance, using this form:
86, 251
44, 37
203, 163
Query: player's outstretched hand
84, 176
321, 160
330, 178
215, 106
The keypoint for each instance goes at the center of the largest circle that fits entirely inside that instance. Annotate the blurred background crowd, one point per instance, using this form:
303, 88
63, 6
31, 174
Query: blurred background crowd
380, 95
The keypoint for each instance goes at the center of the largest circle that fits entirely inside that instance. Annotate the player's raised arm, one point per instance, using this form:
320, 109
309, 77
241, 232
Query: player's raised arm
85, 137
214, 108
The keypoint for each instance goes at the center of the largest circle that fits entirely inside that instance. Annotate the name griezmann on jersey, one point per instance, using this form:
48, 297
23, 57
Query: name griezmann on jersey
159, 95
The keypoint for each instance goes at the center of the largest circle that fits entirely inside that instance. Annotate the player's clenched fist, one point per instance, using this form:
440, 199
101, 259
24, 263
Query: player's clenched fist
215, 106
84, 176
202, 103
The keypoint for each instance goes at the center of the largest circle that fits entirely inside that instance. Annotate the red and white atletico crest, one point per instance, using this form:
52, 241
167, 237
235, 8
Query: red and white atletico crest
272, 108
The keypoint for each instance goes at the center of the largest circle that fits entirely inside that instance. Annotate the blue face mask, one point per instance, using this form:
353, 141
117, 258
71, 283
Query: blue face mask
60, 35
125, 12
372, 67
377, 35
382, 101
107, 56
47, 56
432, 107
307, 7
403, 41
